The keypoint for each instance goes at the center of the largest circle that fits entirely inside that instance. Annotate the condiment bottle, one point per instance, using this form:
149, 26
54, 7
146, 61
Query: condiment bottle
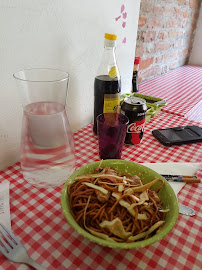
107, 84
135, 86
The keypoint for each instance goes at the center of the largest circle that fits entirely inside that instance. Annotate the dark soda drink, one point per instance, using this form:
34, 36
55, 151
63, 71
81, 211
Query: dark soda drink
135, 109
106, 95
111, 135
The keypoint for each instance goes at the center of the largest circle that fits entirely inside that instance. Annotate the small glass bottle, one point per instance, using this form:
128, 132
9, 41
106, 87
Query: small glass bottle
135, 86
107, 84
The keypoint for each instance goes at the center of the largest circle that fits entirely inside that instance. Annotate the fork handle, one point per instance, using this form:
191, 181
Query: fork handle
34, 264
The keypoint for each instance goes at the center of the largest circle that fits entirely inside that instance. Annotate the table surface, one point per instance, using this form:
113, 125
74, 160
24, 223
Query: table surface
182, 90
37, 219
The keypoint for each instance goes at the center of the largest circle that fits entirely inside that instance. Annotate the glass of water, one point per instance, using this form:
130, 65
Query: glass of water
47, 147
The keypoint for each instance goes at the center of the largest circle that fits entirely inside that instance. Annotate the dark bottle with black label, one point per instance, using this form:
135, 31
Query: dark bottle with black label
107, 84
135, 86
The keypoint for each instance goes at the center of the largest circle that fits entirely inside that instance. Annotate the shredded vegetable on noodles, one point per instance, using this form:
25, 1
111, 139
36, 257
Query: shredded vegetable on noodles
116, 207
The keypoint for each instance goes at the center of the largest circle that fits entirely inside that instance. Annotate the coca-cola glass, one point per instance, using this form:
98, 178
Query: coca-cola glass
111, 134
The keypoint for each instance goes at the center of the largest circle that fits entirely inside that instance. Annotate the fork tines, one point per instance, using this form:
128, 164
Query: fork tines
7, 240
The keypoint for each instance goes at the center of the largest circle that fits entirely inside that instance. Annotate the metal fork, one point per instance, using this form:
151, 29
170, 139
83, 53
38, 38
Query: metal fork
11, 248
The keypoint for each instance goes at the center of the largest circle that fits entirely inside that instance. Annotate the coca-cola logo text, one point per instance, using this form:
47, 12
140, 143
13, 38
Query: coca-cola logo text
134, 128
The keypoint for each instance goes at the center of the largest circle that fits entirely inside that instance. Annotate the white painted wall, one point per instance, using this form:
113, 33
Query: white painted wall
61, 34
196, 53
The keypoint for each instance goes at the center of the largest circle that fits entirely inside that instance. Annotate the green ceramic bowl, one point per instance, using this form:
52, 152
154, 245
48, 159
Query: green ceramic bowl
166, 194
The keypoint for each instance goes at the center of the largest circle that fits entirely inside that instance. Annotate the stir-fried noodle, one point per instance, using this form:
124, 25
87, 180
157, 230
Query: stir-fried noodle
115, 206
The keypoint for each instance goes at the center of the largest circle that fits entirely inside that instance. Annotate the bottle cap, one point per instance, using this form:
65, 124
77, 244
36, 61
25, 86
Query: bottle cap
110, 40
137, 60
110, 36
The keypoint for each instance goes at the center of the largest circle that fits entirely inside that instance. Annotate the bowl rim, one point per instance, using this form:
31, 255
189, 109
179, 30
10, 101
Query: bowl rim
133, 245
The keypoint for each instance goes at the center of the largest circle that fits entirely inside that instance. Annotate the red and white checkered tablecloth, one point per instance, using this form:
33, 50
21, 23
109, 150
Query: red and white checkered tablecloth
182, 90
37, 219
196, 113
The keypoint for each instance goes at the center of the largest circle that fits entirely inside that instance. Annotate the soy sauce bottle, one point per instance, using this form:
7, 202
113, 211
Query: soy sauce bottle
107, 84
135, 86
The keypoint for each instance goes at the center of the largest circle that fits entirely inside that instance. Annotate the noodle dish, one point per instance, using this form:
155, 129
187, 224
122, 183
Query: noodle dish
119, 204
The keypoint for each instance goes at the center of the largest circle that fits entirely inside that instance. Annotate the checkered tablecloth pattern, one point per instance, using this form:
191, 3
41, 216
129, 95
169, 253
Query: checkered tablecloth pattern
37, 219
196, 112
182, 90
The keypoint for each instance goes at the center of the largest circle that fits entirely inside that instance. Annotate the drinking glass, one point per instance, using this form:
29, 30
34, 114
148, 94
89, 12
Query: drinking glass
111, 134
47, 147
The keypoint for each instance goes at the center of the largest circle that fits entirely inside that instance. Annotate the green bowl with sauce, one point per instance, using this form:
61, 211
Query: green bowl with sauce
166, 194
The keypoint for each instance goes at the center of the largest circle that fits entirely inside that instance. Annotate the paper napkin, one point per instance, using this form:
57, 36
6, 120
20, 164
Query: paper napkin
5, 205
175, 168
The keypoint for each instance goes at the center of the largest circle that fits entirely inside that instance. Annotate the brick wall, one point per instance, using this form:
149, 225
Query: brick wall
165, 35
